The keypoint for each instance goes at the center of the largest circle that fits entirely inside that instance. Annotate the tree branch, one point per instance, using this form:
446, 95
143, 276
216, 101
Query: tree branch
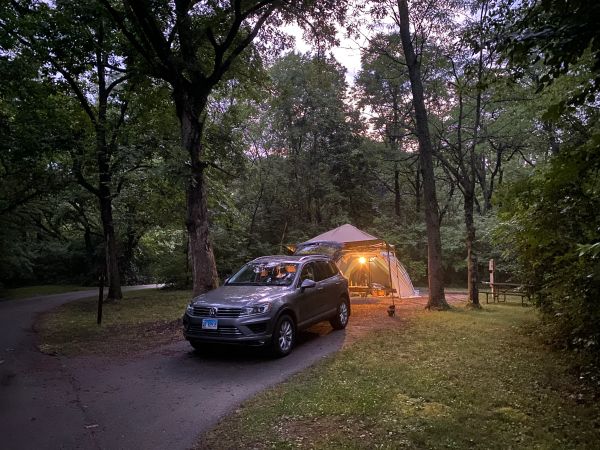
116, 82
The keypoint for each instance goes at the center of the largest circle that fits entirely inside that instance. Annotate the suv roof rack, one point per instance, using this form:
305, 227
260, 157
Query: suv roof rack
290, 257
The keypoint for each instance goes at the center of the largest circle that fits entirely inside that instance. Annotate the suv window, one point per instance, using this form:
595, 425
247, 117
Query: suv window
324, 270
265, 273
308, 273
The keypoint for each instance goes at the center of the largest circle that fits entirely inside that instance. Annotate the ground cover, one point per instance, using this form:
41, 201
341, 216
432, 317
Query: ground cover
141, 320
49, 289
457, 379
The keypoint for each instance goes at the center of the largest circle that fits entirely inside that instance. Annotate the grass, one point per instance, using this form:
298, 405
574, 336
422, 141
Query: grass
456, 379
141, 320
48, 289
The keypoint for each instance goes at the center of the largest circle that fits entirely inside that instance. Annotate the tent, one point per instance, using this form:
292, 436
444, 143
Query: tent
369, 263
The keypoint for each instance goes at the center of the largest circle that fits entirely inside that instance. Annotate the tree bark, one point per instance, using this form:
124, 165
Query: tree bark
472, 275
110, 245
397, 192
437, 299
204, 270
105, 178
418, 189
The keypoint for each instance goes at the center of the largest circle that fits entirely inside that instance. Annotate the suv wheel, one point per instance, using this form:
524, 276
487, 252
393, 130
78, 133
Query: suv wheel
284, 336
340, 320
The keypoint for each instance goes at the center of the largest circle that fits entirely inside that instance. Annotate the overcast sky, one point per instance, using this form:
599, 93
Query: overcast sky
347, 53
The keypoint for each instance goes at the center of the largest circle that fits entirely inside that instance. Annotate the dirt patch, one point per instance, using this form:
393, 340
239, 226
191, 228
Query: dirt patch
371, 314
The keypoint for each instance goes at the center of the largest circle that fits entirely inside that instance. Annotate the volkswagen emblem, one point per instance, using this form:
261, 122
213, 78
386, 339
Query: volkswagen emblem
212, 311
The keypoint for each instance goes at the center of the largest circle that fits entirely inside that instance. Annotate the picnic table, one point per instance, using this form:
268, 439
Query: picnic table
496, 290
364, 291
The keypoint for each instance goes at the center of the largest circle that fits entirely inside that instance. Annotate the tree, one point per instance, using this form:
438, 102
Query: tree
33, 124
559, 33
382, 85
194, 48
549, 230
80, 51
306, 171
434, 252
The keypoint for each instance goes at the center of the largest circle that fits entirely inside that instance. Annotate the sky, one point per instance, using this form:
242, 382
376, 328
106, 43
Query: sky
347, 53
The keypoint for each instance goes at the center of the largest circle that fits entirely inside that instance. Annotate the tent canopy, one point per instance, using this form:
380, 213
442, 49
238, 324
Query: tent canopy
346, 234
364, 259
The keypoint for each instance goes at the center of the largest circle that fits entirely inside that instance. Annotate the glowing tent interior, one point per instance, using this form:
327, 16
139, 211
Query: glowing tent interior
369, 263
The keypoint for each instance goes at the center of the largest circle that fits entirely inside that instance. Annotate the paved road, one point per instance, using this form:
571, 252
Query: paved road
163, 399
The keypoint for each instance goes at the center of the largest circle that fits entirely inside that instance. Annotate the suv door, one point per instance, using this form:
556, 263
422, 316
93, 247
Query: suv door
329, 285
310, 300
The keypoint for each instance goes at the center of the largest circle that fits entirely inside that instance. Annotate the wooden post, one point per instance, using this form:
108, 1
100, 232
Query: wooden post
100, 296
492, 269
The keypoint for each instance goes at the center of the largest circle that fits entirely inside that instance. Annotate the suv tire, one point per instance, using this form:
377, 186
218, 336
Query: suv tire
284, 336
342, 314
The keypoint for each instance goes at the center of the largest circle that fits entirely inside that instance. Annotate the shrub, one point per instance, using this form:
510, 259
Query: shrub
550, 227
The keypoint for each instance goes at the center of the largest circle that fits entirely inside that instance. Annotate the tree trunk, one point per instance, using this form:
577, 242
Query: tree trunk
204, 270
397, 191
110, 245
105, 201
472, 275
434, 250
105, 180
418, 189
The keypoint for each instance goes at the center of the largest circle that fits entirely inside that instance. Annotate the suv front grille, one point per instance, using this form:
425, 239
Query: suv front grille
204, 311
221, 331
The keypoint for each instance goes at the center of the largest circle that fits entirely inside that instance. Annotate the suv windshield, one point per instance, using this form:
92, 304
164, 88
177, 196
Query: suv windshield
265, 274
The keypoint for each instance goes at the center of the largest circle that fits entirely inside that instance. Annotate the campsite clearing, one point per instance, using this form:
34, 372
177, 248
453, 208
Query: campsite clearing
457, 379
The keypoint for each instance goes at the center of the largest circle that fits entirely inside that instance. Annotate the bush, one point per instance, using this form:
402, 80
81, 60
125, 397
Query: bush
550, 227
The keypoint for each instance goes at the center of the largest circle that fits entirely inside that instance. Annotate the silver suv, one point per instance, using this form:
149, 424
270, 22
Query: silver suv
268, 301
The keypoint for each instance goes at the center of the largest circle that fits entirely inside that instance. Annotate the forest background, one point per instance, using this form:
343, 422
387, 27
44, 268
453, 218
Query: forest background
170, 142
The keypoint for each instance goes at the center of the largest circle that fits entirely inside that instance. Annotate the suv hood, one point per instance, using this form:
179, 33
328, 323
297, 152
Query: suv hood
241, 295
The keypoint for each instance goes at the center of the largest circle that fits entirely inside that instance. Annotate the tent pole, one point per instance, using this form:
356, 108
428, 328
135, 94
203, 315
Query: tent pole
390, 271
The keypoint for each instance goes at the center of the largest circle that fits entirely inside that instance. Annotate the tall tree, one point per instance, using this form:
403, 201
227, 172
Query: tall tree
437, 298
559, 33
193, 48
80, 51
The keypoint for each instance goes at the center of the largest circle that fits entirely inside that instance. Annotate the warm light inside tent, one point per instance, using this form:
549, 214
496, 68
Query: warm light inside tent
362, 260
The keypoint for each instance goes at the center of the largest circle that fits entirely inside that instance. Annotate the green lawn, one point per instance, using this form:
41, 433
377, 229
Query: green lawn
142, 319
32, 291
458, 379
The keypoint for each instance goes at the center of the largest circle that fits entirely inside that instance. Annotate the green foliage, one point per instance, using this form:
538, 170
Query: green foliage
163, 254
307, 170
559, 33
549, 228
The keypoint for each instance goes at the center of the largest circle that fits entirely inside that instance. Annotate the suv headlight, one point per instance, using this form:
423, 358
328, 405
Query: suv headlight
260, 308
190, 309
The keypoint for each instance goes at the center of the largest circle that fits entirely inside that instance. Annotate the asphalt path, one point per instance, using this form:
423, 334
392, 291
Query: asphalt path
163, 399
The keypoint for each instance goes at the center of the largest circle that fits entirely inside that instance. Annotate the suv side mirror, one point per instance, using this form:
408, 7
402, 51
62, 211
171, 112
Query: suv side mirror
307, 284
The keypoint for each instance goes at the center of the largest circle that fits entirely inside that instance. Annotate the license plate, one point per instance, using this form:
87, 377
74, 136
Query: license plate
209, 324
